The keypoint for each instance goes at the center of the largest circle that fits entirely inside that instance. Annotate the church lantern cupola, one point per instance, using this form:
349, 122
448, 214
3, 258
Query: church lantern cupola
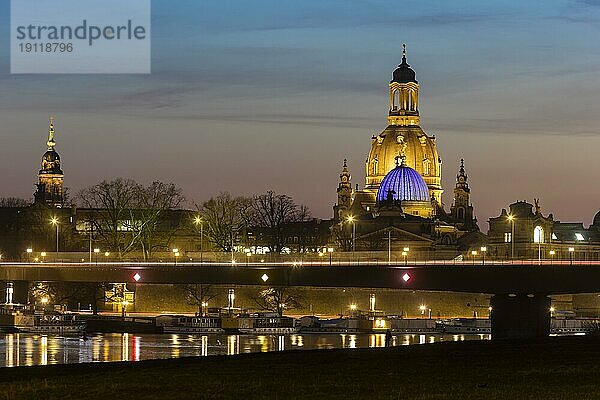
404, 95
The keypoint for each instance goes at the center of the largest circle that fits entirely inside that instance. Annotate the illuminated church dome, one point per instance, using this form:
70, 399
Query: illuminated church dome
404, 137
403, 184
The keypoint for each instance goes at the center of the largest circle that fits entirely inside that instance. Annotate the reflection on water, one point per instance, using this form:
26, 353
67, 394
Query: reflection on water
21, 349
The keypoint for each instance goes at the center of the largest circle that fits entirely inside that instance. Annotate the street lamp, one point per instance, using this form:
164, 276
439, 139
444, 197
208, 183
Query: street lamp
198, 221
404, 254
422, 308
106, 254
330, 251
248, 255
124, 305
29, 251
96, 252
43, 255
483, 251
552, 253
54, 221
175, 254
512, 236
571, 250
352, 219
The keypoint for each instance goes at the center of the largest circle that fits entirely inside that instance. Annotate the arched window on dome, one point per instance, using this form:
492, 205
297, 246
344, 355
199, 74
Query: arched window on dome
395, 99
375, 166
538, 234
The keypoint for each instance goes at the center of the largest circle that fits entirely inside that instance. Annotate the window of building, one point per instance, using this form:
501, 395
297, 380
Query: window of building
507, 237
579, 236
554, 236
538, 234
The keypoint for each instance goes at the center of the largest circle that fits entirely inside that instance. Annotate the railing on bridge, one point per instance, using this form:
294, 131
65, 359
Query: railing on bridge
300, 263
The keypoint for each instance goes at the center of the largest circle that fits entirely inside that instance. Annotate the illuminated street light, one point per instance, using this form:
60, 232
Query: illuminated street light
422, 308
483, 251
512, 236
552, 253
96, 252
124, 305
330, 251
175, 254
352, 220
353, 307
404, 254
571, 250
198, 221
474, 253
54, 221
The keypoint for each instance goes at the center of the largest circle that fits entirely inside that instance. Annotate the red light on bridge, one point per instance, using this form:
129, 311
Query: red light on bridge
406, 277
137, 277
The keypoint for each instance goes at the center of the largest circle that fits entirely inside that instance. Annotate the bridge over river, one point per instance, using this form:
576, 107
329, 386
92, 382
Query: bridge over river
520, 290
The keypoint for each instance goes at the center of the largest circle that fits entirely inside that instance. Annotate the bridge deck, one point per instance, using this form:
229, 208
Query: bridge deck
507, 278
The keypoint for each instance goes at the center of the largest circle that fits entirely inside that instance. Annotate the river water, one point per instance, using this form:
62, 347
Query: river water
22, 349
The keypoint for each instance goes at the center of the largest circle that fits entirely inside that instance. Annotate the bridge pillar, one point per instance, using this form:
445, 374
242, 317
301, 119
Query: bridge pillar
520, 316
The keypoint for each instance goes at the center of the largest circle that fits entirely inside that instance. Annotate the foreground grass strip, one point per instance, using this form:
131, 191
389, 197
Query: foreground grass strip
557, 368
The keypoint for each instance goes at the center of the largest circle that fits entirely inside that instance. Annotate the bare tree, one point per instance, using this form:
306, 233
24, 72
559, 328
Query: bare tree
127, 216
278, 299
153, 203
13, 202
225, 220
271, 216
111, 218
198, 295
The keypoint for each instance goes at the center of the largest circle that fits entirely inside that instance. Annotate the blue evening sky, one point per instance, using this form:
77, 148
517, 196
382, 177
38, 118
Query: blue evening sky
246, 96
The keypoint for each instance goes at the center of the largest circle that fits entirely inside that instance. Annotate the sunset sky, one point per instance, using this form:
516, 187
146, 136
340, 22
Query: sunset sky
246, 96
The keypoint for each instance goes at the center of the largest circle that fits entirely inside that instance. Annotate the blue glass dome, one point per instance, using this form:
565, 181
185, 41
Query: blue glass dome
405, 184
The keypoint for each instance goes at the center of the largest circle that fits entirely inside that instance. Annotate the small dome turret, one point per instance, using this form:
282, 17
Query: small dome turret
404, 73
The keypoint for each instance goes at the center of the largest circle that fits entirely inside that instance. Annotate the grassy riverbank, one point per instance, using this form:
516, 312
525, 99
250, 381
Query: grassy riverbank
558, 368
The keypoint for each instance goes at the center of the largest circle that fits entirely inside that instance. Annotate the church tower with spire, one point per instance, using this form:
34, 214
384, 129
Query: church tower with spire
461, 210
344, 192
50, 178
